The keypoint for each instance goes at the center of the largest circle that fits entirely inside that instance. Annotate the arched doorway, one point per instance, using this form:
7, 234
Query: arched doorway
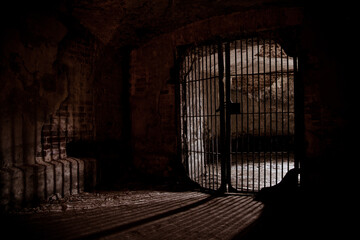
237, 112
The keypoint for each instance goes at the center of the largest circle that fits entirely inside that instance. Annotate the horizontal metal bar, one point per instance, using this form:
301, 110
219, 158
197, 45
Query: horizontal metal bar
262, 113
201, 79
195, 116
256, 74
194, 151
244, 113
261, 152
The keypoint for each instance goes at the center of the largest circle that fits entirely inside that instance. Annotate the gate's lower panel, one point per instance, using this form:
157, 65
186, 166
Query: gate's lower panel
249, 172
253, 171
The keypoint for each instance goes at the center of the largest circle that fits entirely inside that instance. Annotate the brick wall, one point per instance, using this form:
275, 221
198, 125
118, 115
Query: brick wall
47, 101
74, 120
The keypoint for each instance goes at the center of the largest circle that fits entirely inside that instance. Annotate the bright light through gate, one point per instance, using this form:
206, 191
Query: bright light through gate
237, 113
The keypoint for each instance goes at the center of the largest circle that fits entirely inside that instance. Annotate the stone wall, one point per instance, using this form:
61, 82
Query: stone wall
47, 101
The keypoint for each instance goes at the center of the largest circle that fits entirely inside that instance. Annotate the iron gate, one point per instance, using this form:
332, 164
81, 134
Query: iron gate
237, 113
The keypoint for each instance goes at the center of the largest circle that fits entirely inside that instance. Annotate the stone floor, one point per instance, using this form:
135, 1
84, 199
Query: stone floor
139, 214
163, 214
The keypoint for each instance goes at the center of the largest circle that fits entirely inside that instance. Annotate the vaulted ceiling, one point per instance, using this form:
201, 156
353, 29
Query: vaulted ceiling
130, 22
121, 20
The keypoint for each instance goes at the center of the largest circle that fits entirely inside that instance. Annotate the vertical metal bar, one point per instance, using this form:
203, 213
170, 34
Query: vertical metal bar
236, 118
222, 118
199, 115
212, 98
228, 114
204, 113
276, 116
208, 70
196, 117
189, 106
211, 149
253, 114
202, 119
265, 133
288, 111
207, 118
247, 114
200, 129
211, 155
196, 148
242, 116
270, 107
216, 122
282, 115
193, 149
259, 111
185, 108
188, 109
199, 118
194, 83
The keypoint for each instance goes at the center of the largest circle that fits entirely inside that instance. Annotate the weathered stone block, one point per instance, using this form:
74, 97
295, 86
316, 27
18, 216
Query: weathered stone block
66, 177
74, 176
5, 187
58, 177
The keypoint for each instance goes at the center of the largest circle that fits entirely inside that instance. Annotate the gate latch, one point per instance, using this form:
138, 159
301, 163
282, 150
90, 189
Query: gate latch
233, 108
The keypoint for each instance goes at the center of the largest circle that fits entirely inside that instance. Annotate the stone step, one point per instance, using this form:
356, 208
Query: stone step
28, 185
